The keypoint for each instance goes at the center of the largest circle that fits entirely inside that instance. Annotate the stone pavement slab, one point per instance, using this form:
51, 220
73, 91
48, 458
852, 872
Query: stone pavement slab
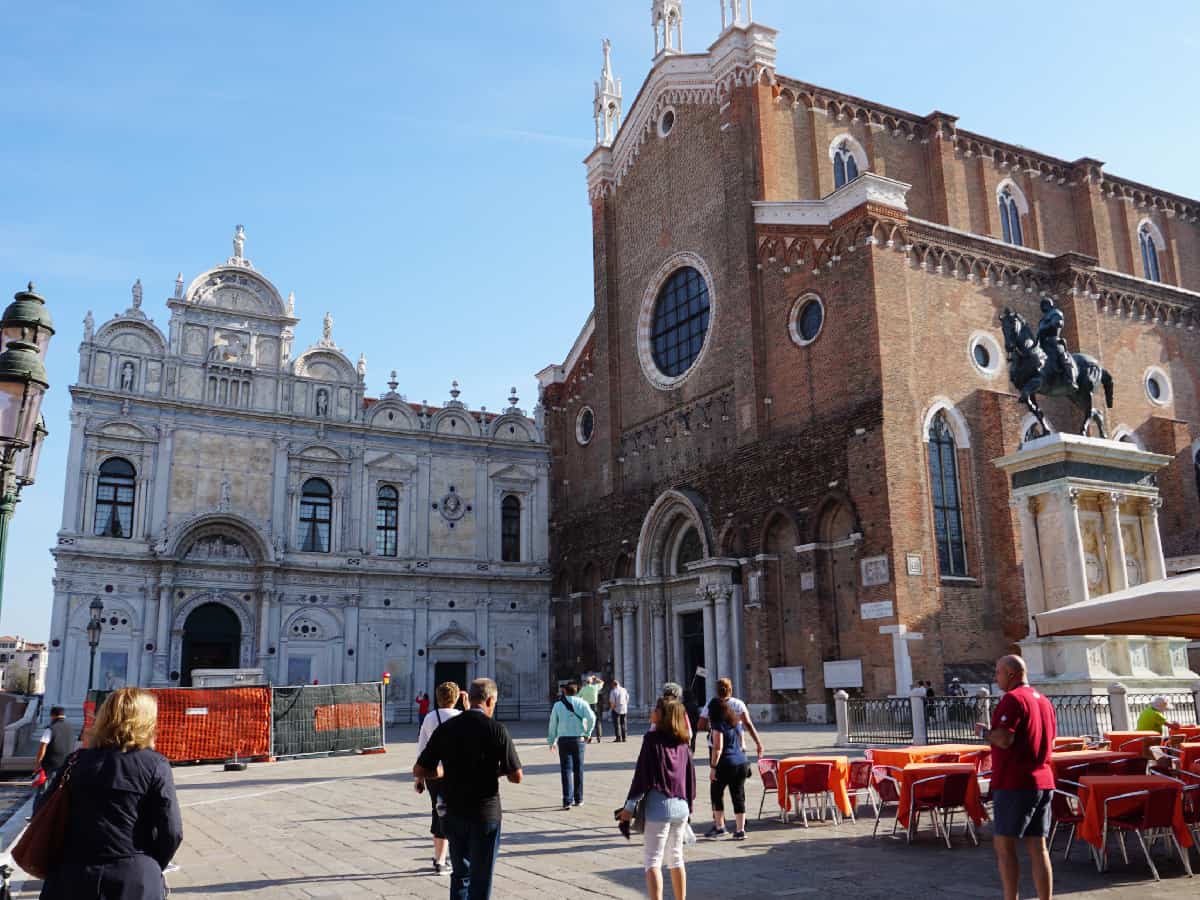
353, 827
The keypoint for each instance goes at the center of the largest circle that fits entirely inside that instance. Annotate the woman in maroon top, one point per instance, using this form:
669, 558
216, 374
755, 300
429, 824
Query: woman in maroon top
1022, 735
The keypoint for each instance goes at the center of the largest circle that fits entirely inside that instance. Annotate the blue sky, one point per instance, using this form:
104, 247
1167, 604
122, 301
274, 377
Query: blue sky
416, 168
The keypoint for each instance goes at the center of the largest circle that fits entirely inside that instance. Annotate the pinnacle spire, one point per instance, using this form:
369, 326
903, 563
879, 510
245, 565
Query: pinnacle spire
606, 108
666, 16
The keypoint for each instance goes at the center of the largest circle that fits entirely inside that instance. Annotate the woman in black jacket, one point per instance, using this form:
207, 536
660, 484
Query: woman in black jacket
124, 823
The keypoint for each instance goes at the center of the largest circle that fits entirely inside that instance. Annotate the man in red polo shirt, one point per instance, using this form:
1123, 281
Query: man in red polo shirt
1022, 735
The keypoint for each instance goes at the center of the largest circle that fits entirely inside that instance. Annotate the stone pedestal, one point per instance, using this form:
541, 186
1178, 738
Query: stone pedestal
1088, 512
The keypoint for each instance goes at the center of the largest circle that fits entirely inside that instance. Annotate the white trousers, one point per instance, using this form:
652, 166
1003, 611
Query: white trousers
664, 840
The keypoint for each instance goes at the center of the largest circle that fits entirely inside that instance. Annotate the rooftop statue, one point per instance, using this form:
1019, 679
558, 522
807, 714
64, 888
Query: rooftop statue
1042, 364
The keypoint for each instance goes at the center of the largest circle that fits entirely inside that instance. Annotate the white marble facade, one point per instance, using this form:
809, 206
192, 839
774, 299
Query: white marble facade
246, 482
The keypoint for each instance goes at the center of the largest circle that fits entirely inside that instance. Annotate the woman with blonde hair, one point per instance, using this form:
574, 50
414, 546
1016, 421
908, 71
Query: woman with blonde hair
123, 825
666, 779
447, 694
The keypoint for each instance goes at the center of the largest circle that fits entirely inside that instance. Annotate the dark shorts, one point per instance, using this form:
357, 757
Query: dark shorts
1021, 814
436, 824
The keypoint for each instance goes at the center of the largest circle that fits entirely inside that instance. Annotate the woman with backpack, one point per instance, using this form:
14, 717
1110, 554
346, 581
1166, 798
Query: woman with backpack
447, 694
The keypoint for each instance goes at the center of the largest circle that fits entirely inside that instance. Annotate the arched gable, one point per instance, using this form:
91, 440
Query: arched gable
321, 452
393, 415
311, 624
454, 421
671, 512
221, 524
454, 636
131, 336
325, 364
954, 418
513, 428
237, 289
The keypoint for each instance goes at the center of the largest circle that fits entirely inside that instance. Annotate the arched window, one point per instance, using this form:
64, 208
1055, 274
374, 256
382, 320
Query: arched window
114, 499
510, 529
1149, 253
845, 167
1010, 218
316, 514
947, 505
387, 519
690, 550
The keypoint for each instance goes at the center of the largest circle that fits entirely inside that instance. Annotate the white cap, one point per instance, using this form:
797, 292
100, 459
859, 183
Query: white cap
1159, 702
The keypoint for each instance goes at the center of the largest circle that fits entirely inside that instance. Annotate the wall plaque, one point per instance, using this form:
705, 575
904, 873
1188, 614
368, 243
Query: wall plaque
875, 571
881, 609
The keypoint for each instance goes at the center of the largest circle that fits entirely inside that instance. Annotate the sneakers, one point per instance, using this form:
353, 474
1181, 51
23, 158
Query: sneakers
440, 868
566, 805
714, 832
739, 835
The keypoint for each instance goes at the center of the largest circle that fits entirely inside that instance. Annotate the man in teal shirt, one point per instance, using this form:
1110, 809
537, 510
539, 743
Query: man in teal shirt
590, 694
571, 722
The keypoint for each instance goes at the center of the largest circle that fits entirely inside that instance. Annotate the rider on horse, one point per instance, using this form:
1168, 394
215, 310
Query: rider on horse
1059, 361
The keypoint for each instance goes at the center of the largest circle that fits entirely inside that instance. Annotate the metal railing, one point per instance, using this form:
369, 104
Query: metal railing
951, 720
1080, 714
1183, 707
882, 721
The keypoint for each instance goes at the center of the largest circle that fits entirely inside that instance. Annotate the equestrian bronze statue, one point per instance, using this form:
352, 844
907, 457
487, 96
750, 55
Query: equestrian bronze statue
1041, 364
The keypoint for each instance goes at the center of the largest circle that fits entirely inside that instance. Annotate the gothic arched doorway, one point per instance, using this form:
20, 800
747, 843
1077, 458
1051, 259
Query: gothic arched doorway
212, 638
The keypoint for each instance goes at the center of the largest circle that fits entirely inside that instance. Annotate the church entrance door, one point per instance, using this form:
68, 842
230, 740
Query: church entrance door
691, 629
450, 671
212, 638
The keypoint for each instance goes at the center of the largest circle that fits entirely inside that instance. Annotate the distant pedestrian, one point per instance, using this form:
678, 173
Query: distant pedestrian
618, 702
1022, 736
956, 689
589, 693
728, 768
666, 779
674, 692
447, 694
571, 722
474, 750
693, 709
123, 820
58, 740
930, 693
423, 705
740, 711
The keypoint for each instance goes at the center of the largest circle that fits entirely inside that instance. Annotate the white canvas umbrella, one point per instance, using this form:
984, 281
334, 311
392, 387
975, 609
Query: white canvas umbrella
1168, 608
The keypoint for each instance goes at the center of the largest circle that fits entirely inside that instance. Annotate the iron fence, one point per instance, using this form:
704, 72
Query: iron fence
951, 720
881, 721
1080, 714
1183, 706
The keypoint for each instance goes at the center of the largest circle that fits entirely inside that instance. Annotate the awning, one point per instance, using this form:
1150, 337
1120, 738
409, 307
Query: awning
1167, 608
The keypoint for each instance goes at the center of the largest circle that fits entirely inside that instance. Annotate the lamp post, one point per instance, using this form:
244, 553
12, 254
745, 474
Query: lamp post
25, 332
30, 684
93, 633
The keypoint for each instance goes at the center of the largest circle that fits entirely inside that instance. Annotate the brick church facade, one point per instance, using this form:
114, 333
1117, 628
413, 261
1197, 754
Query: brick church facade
772, 442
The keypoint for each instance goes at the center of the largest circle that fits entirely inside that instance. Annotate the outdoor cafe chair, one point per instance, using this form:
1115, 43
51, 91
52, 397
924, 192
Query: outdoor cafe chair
952, 801
768, 771
1190, 800
1135, 766
1137, 744
924, 796
1153, 815
1065, 809
811, 782
1160, 753
887, 789
859, 784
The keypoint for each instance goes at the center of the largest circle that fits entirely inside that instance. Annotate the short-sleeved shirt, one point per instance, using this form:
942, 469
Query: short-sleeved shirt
619, 699
1151, 720
430, 724
474, 750
590, 694
1025, 765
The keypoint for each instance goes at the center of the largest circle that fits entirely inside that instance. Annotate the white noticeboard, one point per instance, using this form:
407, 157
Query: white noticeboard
844, 673
787, 678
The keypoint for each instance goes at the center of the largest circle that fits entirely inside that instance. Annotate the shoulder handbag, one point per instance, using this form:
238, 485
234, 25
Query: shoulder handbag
39, 848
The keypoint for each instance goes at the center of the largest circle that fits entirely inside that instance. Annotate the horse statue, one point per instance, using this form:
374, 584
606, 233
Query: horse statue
1026, 370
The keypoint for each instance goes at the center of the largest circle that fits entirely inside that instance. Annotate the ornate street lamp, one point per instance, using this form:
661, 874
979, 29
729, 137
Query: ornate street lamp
93, 632
25, 332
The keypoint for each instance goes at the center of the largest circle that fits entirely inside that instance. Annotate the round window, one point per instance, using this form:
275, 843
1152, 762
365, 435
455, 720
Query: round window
808, 317
585, 425
985, 353
680, 322
1158, 386
982, 357
666, 123
1154, 388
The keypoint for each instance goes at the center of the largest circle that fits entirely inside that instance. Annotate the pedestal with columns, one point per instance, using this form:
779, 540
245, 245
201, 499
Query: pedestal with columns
1088, 514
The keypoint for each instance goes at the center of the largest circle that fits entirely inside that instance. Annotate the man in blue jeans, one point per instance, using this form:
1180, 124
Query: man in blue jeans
474, 750
571, 721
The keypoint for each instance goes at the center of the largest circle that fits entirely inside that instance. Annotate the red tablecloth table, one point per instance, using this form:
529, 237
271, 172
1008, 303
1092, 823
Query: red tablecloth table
1063, 760
1189, 757
1098, 788
839, 778
1189, 732
902, 756
1117, 738
914, 772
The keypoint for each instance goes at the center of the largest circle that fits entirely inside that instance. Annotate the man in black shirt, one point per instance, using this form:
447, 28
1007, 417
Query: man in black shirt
57, 742
474, 750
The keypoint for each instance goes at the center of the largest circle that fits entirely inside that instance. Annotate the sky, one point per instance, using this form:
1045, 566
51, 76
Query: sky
416, 168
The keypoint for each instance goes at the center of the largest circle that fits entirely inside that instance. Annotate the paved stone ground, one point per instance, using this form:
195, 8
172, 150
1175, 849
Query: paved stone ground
353, 827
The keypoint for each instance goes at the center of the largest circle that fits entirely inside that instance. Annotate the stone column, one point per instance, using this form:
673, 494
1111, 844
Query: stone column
162, 643
735, 639
916, 698
901, 660
1073, 546
658, 647
162, 478
842, 717
1118, 706
74, 497
628, 653
1035, 589
350, 663
614, 616
710, 647
724, 656
1156, 566
1110, 509
483, 664
420, 663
